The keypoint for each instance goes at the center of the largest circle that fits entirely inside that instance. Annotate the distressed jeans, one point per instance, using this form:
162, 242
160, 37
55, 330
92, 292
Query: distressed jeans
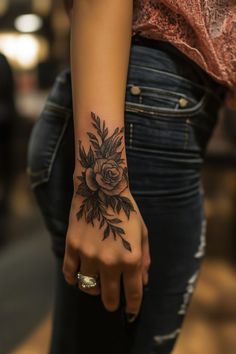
171, 110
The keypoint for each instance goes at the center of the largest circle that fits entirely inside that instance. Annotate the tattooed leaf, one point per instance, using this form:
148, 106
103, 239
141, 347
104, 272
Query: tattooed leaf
90, 216
126, 205
116, 156
80, 212
111, 202
105, 148
83, 190
117, 143
92, 136
93, 115
88, 204
126, 173
116, 131
83, 157
102, 223
99, 155
101, 130
113, 231
95, 145
119, 230
96, 120
126, 245
115, 221
105, 133
80, 178
106, 232
128, 202
90, 157
95, 126
118, 206
104, 211
127, 212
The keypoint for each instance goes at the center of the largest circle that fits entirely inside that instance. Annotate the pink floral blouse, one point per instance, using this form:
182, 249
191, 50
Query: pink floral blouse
204, 30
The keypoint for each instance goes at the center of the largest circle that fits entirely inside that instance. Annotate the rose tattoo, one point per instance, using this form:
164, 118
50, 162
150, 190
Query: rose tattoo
103, 180
106, 176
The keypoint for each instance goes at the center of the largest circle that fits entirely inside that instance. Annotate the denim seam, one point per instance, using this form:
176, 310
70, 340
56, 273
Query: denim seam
202, 87
130, 134
163, 92
50, 106
61, 80
38, 183
48, 170
58, 144
186, 136
188, 112
161, 339
36, 173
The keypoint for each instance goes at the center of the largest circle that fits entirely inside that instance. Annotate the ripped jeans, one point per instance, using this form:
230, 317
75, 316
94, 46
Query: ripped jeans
171, 110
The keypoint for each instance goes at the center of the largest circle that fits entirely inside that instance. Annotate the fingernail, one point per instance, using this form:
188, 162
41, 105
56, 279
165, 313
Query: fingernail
130, 317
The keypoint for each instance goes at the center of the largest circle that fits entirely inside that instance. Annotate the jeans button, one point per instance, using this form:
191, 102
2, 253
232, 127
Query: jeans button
135, 90
183, 102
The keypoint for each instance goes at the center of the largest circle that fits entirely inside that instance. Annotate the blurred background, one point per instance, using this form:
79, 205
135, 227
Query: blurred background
34, 47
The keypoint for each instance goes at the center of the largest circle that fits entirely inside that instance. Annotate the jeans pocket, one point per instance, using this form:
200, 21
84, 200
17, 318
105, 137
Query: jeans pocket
45, 140
157, 101
156, 92
168, 112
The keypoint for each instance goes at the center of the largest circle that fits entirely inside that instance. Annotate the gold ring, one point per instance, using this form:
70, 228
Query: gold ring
86, 281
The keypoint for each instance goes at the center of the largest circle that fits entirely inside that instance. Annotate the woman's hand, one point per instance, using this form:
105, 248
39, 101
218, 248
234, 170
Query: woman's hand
106, 235
86, 251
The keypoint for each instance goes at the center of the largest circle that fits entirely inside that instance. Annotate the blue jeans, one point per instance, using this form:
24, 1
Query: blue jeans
169, 118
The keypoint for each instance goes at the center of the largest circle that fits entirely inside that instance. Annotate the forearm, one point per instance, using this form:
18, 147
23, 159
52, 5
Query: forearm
100, 46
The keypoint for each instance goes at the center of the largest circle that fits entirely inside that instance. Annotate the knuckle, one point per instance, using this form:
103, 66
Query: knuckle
72, 244
108, 260
133, 261
88, 253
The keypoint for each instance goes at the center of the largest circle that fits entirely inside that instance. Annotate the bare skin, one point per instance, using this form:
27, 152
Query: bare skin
106, 234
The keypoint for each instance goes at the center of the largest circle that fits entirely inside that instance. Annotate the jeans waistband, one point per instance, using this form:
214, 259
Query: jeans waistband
182, 64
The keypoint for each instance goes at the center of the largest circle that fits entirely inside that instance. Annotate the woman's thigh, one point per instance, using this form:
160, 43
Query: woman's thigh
169, 119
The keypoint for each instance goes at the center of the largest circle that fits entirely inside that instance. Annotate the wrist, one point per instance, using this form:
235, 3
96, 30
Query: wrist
101, 161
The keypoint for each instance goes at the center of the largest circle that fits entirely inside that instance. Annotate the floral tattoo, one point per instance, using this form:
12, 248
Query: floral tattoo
103, 180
